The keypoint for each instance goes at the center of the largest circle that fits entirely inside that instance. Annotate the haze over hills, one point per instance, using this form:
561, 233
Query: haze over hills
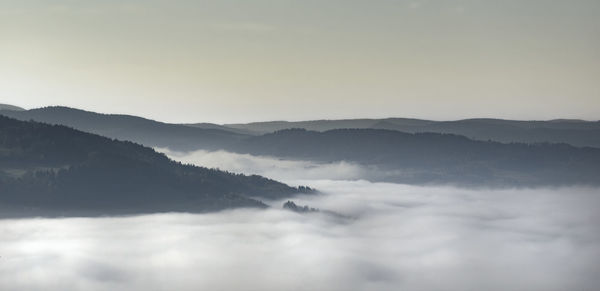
158, 177
10, 107
574, 132
424, 158
132, 128
206, 125
185, 137
55, 170
386, 146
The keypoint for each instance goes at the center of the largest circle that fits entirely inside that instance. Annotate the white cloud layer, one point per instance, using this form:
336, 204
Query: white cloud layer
395, 237
275, 168
399, 238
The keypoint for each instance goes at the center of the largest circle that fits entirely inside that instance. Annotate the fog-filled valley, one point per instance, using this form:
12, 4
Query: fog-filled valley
565, 155
147, 207
410, 145
366, 236
279, 169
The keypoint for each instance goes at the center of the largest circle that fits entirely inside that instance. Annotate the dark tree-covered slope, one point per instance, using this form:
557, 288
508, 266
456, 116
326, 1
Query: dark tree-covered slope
51, 170
435, 158
132, 128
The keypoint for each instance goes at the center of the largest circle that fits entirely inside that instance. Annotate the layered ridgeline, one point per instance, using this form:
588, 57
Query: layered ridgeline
575, 132
389, 154
212, 136
423, 158
132, 128
55, 170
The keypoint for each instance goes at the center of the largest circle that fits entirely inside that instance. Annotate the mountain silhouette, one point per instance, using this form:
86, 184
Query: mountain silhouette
8, 107
530, 153
55, 170
421, 158
132, 128
575, 132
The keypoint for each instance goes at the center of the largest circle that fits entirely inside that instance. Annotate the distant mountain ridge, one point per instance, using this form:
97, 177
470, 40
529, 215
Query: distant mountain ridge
10, 107
209, 136
434, 158
55, 170
421, 157
131, 128
206, 125
575, 132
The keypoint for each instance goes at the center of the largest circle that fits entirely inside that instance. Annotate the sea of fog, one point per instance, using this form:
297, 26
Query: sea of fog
387, 237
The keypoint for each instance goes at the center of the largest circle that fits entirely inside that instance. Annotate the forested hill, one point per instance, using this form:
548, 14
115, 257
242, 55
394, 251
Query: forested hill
187, 137
209, 136
403, 157
132, 128
435, 158
56, 170
575, 132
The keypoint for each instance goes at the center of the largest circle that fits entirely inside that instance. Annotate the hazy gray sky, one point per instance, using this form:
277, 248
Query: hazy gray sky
232, 61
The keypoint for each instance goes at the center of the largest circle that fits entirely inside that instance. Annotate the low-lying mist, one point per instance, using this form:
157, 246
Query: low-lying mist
275, 168
389, 237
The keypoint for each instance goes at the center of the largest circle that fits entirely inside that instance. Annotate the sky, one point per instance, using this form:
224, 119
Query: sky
238, 61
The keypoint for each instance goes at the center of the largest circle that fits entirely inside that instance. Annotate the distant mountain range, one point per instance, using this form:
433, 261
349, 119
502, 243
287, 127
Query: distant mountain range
478, 152
185, 137
53, 170
423, 158
10, 107
223, 127
575, 132
132, 128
